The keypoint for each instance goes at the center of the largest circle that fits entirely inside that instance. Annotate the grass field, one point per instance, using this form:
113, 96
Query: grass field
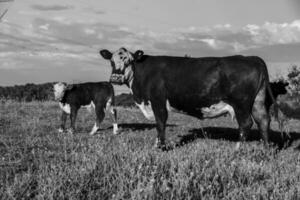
36, 162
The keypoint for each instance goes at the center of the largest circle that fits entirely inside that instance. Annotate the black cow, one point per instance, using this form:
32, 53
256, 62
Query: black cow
99, 95
200, 87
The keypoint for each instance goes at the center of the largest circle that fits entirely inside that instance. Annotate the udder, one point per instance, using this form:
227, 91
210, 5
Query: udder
146, 110
217, 110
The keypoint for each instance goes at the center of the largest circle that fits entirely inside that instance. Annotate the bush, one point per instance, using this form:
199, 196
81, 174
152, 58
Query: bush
294, 82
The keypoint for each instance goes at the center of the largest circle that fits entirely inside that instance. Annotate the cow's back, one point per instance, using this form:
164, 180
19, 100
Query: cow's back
196, 82
84, 93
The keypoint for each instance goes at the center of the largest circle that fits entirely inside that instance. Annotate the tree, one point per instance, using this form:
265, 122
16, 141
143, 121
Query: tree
294, 82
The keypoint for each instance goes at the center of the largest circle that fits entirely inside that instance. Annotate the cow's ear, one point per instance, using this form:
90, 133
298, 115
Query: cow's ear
138, 55
106, 54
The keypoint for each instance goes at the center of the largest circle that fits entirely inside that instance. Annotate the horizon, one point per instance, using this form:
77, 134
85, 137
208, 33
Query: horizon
60, 40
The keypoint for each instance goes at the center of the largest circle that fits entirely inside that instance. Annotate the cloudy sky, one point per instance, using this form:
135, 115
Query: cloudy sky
59, 40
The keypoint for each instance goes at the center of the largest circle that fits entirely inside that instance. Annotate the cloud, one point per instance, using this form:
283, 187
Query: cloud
276, 52
89, 31
272, 41
189, 47
216, 37
59, 32
213, 43
251, 38
273, 33
44, 27
100, 12
50, 7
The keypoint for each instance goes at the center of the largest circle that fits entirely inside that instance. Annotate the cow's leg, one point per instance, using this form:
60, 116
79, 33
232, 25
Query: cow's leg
261, 116
63, 122
73, 115
262, 120
161, 116
245, 123
99, 109
113, 115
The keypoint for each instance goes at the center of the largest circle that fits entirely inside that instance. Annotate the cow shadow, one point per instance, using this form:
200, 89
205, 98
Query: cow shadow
138, 126
232, 134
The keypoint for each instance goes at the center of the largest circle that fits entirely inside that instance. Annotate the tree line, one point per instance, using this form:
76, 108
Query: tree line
44, 92
28, 92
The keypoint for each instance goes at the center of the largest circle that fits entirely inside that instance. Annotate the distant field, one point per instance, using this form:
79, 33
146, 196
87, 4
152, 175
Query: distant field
38, 163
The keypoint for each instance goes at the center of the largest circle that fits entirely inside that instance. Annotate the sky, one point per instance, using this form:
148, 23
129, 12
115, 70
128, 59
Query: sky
59, 40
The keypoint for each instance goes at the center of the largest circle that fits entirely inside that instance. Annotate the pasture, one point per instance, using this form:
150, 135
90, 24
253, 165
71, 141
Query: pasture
36, 162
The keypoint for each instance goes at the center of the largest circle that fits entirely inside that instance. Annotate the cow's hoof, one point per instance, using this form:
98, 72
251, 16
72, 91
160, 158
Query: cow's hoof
115, 129
268, 145
238, 145
116, 132
70, 131
92, 133
156, 143
160, 145
164, 147
60, 130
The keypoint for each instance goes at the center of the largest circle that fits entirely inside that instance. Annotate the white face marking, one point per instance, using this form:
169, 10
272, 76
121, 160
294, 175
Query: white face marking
146, 110
218, 109
65, 107
59, 89
94, 129
121, 58
115, 128
60, 130
129, 76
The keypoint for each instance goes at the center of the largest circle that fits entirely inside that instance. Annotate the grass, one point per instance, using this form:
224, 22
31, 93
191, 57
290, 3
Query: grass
36, 162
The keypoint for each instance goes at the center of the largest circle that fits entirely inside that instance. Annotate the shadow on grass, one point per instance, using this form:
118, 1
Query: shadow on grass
138, 126
232, 134
130, 127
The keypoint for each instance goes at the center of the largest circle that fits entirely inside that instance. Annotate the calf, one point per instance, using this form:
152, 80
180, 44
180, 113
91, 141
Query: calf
99, 95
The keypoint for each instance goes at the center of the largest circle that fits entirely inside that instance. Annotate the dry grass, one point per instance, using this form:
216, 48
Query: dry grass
38, 163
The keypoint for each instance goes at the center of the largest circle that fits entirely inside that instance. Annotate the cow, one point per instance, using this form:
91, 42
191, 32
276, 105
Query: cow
97, 95
204, 87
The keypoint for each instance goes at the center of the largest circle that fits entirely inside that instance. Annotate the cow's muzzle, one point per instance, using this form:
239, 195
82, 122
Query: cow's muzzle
117, 79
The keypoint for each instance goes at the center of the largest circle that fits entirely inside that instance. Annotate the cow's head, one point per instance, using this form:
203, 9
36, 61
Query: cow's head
279, 87
60, 89
121, 63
